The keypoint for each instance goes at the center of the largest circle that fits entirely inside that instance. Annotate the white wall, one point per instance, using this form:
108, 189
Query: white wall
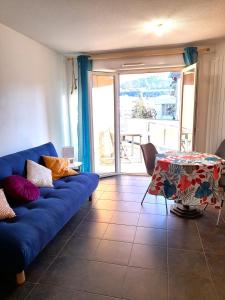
33, 94
215, 132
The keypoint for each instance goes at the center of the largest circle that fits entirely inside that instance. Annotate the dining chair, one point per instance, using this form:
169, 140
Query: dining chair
149, 153
221, 153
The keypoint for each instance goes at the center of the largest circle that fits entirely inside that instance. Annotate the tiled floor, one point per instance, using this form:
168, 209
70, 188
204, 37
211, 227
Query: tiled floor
114, 248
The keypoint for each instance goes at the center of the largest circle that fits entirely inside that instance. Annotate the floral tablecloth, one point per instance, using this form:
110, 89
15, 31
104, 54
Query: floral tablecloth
190, 178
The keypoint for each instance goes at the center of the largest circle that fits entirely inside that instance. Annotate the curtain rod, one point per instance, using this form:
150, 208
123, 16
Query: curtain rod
143, 53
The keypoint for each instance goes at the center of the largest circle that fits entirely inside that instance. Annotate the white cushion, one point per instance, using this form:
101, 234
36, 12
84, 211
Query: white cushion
6, 211
38, 174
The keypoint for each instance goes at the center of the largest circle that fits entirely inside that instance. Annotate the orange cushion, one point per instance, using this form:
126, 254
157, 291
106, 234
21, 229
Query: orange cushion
59, 167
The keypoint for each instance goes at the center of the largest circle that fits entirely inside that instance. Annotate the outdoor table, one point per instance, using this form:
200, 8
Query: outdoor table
132, 135
190, 179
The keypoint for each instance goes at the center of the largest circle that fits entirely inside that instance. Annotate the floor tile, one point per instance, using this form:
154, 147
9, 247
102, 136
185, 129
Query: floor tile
133, 181
117, 196
152, 257
110, 180
100, 243
91, 276
219, 286
51, 292
157, 209
187, 241
101, 187
92, 229
99, 215
113, 252
38, 267
129, 206
177, 223
121, 233
150, 220
104, 278
216, 264
126, 189
81, 247
185, 287
208, 220
97, 194
214, 240
125, 218
13, 292
55, 246
187, 262
151, 236
71, 226
118, 205
68, 272
142, 284
107, 205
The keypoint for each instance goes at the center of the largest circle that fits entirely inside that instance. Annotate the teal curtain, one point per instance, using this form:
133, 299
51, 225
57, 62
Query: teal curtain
190, 55
84, 144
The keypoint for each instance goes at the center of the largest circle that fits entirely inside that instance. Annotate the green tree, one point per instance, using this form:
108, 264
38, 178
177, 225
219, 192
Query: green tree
142, 112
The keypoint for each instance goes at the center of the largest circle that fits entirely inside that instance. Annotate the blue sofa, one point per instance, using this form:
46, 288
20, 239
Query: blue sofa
37, 222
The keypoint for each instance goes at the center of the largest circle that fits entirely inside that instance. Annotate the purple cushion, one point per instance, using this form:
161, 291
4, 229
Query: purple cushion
19, 189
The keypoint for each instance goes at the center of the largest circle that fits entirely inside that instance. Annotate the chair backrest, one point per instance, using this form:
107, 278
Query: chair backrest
149, 153
221, 150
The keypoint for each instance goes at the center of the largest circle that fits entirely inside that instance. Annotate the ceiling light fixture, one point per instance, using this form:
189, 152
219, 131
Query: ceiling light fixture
159, 27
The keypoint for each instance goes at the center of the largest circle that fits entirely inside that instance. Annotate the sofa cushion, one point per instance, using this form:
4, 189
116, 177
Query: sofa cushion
19, 189
6, 211
59, 167
38, 174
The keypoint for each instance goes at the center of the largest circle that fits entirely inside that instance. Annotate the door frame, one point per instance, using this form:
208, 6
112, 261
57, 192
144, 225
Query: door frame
116, 75
116, 120
186, 69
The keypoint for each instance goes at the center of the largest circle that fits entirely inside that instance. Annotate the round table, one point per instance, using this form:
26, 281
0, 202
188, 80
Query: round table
190, 179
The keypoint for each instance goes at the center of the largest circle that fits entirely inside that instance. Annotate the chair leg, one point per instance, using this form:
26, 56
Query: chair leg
144, 197
219, 213
205, 206
145, 194
221, 205
218, 218
166, 205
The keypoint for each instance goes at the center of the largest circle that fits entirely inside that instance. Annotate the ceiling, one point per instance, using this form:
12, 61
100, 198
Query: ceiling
101, 25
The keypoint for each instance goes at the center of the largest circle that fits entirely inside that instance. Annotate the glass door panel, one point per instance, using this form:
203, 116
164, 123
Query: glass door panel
149, 112
188, 109
103, 123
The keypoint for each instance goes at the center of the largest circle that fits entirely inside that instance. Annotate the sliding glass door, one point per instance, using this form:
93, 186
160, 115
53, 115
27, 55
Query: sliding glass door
136, 109
103, 123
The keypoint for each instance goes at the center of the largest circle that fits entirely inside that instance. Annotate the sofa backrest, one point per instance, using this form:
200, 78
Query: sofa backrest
15, 164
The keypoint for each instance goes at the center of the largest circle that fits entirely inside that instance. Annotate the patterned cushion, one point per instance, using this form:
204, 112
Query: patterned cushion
38, 174
6, 211
59, 166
